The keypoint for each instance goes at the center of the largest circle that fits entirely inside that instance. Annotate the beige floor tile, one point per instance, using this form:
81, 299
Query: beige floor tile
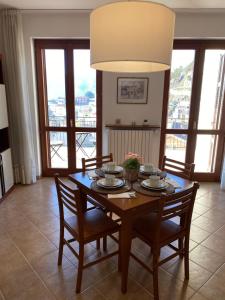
214, 288
197, 275
205, 201
11, 262
31, 214
221, 232
192, 244
198, 296
215, 243
63, 284
2, 296
141, 247
221, 272
35, 292
18, 281
200, 209
34, 247
197, 234
110, 287
194, 216
210, 225
215, 214
47, 265
170, 288
89, 294
206, 258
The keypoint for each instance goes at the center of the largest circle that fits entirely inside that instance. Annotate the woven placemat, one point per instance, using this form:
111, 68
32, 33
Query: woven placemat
101, 173
162, 175
138, 188
100, 190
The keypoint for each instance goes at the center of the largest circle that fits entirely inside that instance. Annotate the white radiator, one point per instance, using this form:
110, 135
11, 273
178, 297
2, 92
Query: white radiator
143, 142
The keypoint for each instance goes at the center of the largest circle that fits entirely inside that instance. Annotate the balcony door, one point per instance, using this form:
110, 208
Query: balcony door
193, 121
69, 98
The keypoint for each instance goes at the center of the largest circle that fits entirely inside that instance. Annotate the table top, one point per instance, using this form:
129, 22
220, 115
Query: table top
123, 204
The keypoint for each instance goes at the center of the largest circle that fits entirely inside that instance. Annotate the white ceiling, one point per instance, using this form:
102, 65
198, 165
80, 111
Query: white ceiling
90, 4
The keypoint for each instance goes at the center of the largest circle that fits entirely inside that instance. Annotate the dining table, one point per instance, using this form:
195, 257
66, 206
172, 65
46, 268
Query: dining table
127, 209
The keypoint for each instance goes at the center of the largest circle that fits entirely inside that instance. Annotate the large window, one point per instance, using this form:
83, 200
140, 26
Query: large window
193, 111
69, 94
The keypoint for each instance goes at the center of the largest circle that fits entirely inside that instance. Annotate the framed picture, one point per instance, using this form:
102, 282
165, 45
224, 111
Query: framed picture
132, 90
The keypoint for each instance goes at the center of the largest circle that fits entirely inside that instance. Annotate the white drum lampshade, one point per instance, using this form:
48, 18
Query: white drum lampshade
133, 36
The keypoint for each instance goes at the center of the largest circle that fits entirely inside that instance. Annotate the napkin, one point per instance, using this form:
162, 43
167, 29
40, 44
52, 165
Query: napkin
121, 195
92, 174
173, 183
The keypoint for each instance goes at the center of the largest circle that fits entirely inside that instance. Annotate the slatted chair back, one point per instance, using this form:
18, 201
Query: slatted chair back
177, 205
176, 167
96, 162
70, 199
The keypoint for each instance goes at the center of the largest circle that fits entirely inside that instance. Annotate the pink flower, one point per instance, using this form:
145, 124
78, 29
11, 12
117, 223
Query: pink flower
134, 156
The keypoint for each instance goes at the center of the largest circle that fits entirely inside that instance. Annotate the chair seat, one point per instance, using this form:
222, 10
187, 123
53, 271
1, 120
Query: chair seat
145, 226
95, 223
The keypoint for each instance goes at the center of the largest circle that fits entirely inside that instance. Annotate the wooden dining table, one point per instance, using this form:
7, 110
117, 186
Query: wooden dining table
127, 209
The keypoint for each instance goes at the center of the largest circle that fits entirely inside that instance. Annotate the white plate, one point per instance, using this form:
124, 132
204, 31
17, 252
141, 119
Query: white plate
154, 171
118, 169
145, 183
117, 183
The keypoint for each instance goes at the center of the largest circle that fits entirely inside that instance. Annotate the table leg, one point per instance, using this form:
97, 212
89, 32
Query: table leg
125, 246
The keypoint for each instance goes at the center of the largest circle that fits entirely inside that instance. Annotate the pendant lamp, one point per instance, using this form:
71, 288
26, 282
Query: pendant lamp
133, 36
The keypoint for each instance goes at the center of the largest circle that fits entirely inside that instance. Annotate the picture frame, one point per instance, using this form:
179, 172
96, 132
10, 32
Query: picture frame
132, 90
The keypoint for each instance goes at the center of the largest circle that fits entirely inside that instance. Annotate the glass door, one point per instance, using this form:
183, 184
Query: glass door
193, 111
69, 98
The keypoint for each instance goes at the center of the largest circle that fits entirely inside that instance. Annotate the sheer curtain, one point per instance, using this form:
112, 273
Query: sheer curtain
20, 121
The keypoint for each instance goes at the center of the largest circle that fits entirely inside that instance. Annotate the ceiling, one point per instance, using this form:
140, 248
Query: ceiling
90, 4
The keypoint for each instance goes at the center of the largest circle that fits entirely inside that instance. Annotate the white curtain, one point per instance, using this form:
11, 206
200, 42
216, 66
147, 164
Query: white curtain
222, 182
15, 77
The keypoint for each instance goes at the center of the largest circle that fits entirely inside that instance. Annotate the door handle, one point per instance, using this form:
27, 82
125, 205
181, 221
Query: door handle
195, 125
71, 123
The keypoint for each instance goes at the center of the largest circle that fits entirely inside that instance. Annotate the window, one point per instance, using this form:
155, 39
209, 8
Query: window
193, 112
69, 93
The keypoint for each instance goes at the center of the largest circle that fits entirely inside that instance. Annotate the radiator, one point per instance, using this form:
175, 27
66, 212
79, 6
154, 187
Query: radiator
142, 142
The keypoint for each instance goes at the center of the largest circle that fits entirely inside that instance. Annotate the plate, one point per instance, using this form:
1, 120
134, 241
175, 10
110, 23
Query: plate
146, 184
118, 169
117, 183
155, 171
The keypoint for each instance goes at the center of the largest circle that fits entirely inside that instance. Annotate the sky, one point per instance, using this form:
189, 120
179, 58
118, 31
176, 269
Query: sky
56, 72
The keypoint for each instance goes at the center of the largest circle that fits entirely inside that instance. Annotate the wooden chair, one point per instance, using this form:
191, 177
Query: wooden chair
84, 226
158, 230
179, 168
96, 162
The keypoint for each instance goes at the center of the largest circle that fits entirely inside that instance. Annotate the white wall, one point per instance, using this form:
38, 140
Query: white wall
39, 24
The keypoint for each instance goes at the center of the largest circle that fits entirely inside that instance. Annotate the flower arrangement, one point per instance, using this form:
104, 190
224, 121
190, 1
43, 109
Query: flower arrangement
132, 161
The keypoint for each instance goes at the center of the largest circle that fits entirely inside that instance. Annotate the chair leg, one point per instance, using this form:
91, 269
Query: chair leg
119, 256
98, 244
105, 243
61, 244
80, 268
181, 240
155, 275
180, 246
186, 258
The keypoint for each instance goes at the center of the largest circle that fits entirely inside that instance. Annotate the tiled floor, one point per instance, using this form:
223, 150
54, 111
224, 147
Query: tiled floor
29, 230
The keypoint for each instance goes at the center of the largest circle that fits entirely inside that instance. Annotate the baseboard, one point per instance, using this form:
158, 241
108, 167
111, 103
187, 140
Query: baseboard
7, 193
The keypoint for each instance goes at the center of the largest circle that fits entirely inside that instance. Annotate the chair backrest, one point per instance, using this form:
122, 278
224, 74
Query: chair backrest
178, 204
96, 162
70, 199
176, 167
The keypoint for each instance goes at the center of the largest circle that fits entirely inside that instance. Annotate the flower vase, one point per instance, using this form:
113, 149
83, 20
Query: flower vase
131, 174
